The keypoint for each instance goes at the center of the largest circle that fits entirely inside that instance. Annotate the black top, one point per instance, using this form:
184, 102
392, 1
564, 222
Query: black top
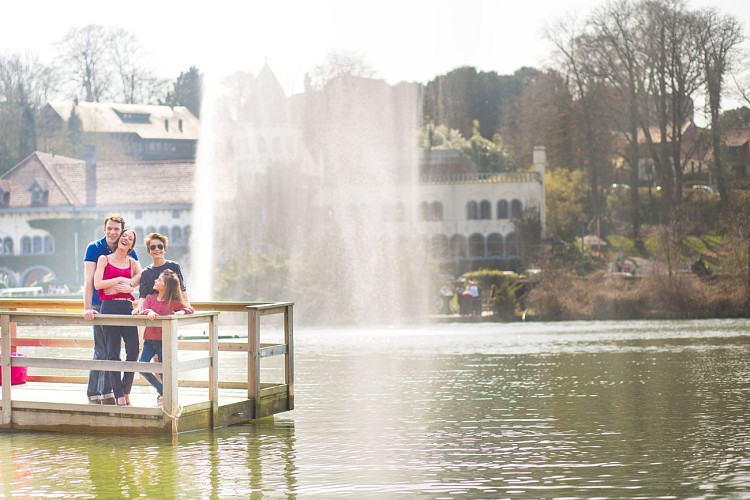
150, 273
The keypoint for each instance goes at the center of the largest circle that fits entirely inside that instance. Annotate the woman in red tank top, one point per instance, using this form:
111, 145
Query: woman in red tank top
112, 270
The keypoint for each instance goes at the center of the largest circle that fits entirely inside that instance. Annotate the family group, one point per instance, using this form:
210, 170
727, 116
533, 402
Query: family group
112, 274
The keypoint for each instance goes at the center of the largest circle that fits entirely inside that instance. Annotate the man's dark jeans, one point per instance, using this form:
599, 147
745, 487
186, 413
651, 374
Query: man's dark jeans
99, 384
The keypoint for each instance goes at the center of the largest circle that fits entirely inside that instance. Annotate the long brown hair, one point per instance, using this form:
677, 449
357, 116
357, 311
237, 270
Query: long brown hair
172, 290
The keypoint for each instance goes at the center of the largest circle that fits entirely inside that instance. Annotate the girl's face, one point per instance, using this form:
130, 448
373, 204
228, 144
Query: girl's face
159, 284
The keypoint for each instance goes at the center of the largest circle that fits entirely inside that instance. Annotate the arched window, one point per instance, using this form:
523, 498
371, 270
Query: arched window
476, 245
425, 210
186, 234
7, 248
37, 245
436, 210
150, 229
502, 209
25, 245
177, 236
495, 245
139, 234
485, 210
164, 230
458, 246
516, 209
472, 211
511, 245
439, 246
49, 245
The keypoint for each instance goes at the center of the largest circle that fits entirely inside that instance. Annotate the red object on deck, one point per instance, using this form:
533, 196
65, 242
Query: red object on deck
17, 373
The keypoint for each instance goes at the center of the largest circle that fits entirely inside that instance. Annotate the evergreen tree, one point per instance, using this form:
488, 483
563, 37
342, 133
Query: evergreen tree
187, 91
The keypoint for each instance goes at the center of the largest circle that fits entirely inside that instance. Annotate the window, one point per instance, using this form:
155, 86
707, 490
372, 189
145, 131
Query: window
7, 247
425, 210
166, 125
439, 246
458, 246
177, 235
4, 198
472, 211
476, 245
186, 234
485, 210
36, 245
436, 210
164, 230
175, 214
39, 193
25, 245
49, 245
179, 125
495, 245
516, 209
511, 244
139, 214
139, 233
502, 209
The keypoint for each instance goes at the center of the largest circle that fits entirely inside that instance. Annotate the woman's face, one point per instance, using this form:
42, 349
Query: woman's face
159, 283
127, 239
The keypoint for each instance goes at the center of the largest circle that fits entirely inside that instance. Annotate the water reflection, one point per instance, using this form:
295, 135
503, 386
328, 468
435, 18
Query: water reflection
485, 411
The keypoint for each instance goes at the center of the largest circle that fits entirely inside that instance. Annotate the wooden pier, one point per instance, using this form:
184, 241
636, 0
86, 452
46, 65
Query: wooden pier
59, 402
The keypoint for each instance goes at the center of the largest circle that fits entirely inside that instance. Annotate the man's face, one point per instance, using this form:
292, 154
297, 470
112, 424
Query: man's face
112, 231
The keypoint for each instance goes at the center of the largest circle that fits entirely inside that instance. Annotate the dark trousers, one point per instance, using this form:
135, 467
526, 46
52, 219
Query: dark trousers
99, 386
114, 335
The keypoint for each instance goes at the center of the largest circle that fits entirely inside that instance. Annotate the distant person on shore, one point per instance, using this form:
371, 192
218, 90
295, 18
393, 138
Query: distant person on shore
446, 294
476, 299
114, 270
167, 300
99, 390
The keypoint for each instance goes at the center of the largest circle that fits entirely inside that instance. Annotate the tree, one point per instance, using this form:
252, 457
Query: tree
187, 90
25, 85
565, 192
137, 82
84, 59
718, 38
337, 64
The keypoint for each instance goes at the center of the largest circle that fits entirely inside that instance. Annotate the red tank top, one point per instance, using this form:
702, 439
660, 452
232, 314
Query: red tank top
111, 271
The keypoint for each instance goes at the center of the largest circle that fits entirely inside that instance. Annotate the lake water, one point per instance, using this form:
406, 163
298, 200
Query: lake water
534, 410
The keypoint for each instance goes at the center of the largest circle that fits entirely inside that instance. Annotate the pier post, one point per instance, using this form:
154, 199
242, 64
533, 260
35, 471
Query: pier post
213, 369
253, 359
5, 364
289, 356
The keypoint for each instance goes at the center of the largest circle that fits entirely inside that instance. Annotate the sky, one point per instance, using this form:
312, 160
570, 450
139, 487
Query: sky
405, 40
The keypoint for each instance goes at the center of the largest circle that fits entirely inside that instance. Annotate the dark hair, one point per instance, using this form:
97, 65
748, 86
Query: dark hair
116, 218
172, 290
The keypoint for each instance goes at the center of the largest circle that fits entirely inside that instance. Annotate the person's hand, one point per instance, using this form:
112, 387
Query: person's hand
89, 314
124, 286
189, 310
136, 311
151, 314
179, 313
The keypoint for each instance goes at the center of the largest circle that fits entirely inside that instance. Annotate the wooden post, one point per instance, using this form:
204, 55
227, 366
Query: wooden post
5, 364
253, 361
289, 356
213, 370
169, 365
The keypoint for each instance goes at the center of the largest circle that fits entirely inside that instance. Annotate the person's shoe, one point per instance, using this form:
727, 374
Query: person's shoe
159, 400
94, 401
109, 401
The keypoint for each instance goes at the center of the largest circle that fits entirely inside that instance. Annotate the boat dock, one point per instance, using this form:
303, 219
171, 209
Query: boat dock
58, 402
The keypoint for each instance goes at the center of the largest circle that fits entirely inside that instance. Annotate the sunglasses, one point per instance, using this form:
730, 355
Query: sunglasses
154, 247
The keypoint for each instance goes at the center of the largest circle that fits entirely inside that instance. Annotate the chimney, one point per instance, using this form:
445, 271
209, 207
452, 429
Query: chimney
89, 152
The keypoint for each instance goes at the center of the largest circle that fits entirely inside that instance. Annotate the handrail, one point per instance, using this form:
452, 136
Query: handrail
169, 366
17, 310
